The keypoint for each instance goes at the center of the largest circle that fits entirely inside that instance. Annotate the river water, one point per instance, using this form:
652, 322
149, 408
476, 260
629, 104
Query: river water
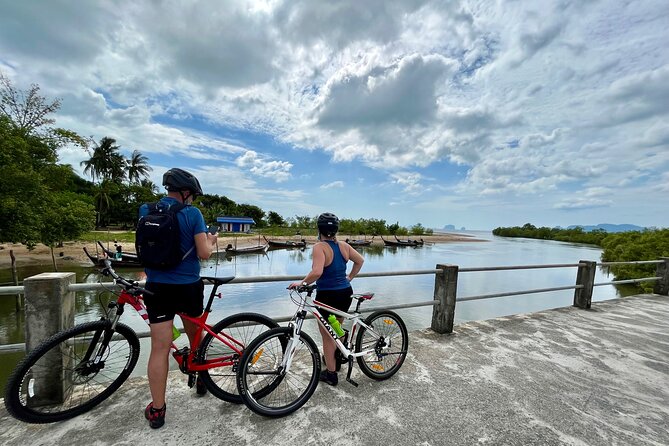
273, 300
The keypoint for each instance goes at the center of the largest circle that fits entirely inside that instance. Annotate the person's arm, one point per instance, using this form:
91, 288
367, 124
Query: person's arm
355, 257
317, 265
204, 244
204, 241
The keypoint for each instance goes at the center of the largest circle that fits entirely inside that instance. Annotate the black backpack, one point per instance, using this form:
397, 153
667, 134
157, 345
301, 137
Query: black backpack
158, 238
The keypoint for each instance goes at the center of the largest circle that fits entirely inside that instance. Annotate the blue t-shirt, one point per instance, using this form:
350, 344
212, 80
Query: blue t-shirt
334, 275
191, 222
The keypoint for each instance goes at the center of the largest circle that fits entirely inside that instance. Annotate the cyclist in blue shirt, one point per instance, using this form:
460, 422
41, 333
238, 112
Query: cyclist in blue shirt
328, 270
176, 290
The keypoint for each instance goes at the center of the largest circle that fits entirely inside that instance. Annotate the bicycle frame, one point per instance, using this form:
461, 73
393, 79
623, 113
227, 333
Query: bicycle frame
346, 350
187, 357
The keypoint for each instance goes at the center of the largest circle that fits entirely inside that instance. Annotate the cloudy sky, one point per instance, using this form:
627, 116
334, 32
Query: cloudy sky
474, 113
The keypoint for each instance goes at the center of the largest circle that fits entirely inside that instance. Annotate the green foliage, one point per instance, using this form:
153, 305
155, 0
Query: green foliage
40, 200
249, 210
417, 229
394, 229
127, 237
636, 245
304, 222
65, 218
274, 219
575, 235
617, 247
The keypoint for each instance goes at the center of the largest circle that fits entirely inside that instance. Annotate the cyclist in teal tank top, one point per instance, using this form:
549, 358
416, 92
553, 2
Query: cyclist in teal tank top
328, 270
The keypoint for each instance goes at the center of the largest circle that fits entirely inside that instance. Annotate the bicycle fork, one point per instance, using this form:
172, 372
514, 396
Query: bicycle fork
293, 342
93, 359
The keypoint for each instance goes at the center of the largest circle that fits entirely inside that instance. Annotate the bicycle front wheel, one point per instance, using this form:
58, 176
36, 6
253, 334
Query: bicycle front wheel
388, 341
261, 368
239, 330
60, 379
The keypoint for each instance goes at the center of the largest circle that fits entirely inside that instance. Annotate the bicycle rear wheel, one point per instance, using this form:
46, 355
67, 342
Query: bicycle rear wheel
239, 329
54, 382
260, 369
390, 352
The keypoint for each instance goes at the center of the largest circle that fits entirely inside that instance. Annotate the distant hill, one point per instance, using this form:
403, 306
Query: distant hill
609, 227
452, 228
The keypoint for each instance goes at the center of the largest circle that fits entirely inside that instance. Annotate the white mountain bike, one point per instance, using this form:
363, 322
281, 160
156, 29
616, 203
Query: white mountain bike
287, 360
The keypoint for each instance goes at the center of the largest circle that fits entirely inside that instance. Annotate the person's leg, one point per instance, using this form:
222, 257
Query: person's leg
191, 304
191, 329
161, 339
329, 348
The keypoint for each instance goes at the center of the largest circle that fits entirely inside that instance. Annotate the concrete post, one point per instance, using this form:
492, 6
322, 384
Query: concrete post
585, 277
445, 290
49, 308
662, 286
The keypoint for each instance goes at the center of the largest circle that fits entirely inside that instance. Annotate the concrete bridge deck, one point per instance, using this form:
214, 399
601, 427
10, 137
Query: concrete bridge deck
564, 376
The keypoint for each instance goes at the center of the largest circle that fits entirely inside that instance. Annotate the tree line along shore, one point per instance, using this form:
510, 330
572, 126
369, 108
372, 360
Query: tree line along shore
72, 252
649, 244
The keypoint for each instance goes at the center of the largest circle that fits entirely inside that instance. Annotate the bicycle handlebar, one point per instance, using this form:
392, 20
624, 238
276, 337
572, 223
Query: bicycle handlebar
304, 288
129, 285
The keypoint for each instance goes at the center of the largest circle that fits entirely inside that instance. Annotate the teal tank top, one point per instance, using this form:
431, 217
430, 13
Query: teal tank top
334, 275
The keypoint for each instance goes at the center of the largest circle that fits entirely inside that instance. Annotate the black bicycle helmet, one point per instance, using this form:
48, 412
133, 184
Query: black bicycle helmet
328, 224
178, 179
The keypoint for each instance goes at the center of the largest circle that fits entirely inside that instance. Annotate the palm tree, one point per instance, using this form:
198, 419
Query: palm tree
103, 201
106, 162
148, 184
138, 167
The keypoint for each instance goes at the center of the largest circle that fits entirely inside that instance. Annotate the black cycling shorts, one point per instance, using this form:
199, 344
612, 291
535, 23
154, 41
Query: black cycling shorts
169, 299
339, 299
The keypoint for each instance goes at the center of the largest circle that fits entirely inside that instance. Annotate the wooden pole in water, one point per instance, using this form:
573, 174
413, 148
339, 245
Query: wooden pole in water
15, 278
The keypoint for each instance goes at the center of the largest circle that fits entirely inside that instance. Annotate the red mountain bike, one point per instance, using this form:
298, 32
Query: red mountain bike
74, 370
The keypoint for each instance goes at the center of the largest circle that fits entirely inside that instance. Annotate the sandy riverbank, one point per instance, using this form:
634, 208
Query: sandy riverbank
73, 253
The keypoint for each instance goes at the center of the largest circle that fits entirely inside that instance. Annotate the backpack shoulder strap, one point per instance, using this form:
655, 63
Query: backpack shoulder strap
176, 208
151, 207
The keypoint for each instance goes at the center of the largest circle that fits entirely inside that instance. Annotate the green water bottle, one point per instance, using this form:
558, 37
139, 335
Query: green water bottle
175, 333
334, 323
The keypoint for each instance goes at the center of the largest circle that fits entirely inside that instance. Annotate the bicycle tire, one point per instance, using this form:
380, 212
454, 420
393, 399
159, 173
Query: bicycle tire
261, 363
88, 384
222, 381
386, 361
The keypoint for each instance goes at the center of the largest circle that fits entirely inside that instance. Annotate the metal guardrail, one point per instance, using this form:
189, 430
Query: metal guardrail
13, 290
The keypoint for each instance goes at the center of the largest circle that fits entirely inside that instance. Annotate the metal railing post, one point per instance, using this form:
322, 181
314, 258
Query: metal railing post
662, 285
49, 308
445, 289
586, 279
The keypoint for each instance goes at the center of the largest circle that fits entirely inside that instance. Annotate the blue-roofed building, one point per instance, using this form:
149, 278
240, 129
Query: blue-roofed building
235, 224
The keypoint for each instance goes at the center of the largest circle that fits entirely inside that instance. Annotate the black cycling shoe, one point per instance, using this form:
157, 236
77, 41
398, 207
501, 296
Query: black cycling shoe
329, 377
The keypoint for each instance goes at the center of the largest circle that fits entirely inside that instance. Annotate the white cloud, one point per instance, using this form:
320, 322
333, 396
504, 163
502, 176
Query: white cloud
279, 171
333, 185
411, 182
528, 99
